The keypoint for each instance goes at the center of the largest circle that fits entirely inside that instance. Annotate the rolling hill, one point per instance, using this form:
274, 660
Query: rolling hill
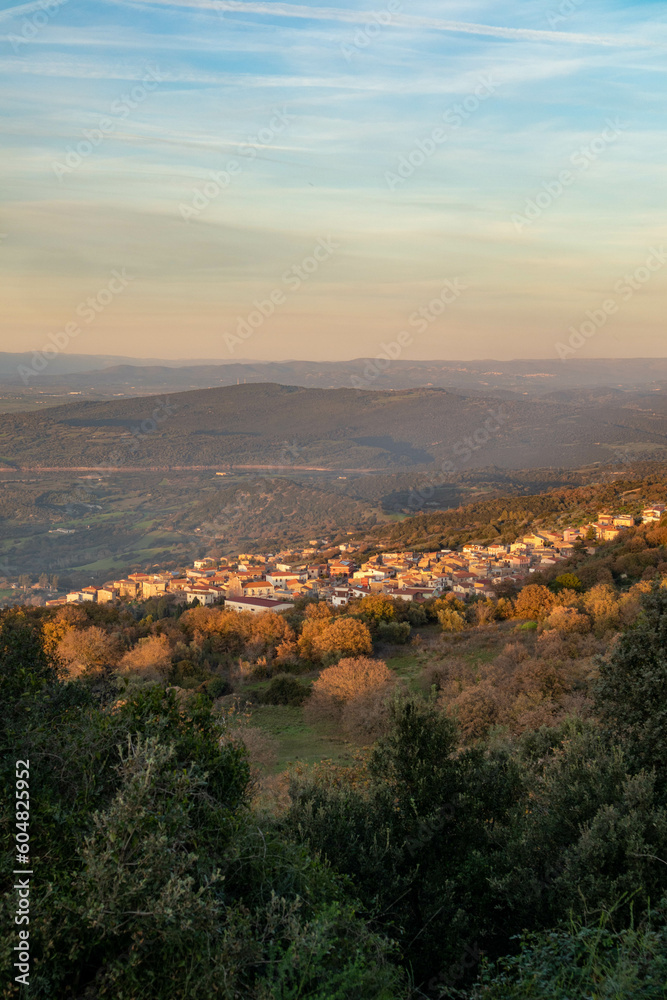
290, 429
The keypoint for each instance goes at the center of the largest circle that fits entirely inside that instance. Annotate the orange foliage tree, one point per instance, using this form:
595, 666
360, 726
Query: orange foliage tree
351, 678
342, 637
86, 651
150, 658
534, 602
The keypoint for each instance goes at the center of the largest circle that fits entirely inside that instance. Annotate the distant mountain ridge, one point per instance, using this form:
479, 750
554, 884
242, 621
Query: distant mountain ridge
105, 375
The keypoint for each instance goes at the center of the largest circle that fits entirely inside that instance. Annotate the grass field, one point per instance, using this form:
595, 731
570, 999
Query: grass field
298, 740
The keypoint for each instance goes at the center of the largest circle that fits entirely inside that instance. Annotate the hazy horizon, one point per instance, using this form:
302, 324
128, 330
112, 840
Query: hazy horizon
271, 180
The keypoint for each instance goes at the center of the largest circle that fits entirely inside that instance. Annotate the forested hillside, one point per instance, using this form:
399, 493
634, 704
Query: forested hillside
290, 427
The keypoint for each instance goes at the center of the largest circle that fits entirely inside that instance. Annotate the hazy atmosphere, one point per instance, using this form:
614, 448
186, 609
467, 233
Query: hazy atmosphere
181, 162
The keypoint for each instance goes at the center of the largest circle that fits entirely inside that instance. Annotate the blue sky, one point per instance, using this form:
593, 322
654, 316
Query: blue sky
204, 149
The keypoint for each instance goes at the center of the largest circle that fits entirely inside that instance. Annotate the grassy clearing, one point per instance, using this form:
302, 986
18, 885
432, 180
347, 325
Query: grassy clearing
297, 739
408, 667
113, 562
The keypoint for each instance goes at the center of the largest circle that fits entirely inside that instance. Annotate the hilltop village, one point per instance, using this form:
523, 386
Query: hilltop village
259, 582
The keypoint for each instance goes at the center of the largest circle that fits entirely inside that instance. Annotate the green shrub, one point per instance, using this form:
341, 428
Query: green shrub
285, 690
397, 632
586, 962
216, 687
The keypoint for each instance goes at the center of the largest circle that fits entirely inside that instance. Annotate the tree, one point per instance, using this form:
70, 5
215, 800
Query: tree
534, 602
25, 667
65, 620
632, 692
269, 631
568, 581
343, 637
86, 651
376, 608
150, 658
318, 611
163, 887
417, 839
568, 620
601, 602
344, 682
451, 620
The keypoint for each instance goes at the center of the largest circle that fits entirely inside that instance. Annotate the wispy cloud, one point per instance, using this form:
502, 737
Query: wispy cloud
287, 10
23, 9
226, 66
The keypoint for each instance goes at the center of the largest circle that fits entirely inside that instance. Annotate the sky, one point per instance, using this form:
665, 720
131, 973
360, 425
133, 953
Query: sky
234, 180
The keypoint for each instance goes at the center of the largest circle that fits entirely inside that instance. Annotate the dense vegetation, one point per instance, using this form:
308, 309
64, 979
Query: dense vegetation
503, 518
501, 833
128, 521
340, 429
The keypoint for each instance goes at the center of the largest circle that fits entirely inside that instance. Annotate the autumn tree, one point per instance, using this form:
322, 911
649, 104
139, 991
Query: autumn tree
318, 611
66, 619
150, 658
86, 651
218, 629
534, 602
376, 608
343, 637
451, 620
564, 619
601, 603
350, 679
269, 632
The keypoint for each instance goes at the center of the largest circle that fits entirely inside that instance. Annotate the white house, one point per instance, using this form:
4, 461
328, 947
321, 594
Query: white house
654, 513
257, 604
202, 594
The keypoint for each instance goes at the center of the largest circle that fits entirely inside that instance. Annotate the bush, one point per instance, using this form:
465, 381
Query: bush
568, 620
451, 620
285, 689
581, 961
216, 687
150, 658
367, 717
396, 632
338, 685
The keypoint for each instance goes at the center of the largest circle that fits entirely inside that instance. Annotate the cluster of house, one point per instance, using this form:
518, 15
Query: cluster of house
259, 582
